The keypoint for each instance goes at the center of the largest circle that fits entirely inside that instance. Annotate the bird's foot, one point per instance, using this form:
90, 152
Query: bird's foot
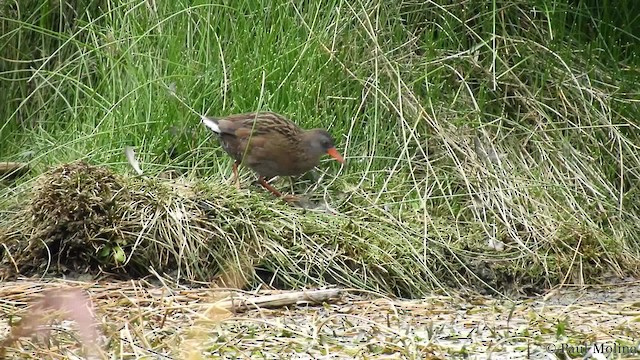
291, 198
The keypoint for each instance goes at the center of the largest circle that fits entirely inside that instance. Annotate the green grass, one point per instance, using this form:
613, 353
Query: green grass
464, 124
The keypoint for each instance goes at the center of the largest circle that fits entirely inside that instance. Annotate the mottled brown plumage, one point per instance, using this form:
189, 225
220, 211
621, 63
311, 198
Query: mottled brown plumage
271, 145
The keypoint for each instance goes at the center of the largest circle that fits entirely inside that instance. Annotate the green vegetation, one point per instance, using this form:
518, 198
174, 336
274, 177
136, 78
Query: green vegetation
488, 144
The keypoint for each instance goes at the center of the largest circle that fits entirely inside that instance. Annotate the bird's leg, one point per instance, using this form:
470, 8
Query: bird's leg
266, 185
274, 191
235, 174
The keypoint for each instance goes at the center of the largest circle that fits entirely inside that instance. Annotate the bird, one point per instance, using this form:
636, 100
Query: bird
271, 145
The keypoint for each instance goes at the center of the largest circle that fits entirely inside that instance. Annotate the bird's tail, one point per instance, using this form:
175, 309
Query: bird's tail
211, 123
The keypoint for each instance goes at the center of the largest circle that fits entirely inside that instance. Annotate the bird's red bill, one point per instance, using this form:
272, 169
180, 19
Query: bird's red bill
335, 154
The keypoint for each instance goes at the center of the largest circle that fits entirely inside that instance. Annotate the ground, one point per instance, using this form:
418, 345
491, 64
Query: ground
143, 321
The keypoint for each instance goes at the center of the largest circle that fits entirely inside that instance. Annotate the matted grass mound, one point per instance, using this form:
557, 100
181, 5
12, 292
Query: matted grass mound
82, 218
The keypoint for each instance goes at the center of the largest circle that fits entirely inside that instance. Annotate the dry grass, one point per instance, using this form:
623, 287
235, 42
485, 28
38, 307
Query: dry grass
80, 218
143, 321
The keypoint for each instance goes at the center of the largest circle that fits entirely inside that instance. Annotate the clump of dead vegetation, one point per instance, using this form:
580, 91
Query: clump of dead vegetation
83, 218
74, 215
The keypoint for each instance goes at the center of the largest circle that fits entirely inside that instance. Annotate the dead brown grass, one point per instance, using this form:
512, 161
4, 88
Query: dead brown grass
139, 320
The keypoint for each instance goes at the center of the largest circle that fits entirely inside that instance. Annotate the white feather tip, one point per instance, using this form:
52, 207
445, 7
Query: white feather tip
131, 157
210, 124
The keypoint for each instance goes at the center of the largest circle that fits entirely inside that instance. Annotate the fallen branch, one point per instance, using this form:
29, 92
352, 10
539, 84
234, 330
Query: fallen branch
243, 303
10, 170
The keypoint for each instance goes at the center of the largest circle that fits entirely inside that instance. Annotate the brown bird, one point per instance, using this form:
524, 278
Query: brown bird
271, 145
